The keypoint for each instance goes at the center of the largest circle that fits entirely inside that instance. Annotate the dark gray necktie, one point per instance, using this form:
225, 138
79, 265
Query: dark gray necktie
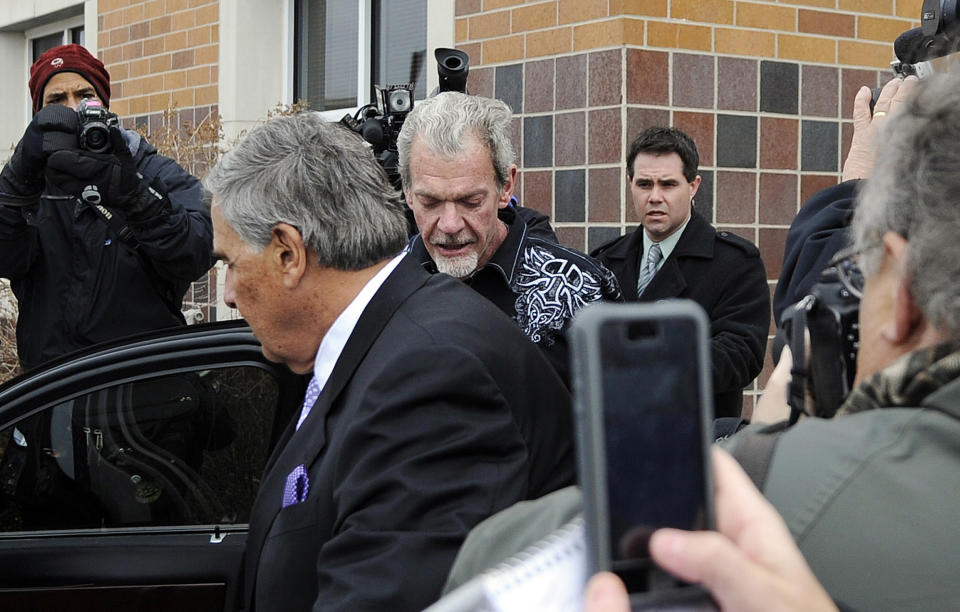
649, 269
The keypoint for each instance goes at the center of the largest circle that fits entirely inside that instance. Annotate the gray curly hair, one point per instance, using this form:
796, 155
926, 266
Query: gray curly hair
914, 191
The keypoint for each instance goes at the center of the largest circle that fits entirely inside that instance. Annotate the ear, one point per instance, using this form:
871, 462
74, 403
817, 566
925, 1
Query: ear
907, 318
508, 187
695, 186
288, 255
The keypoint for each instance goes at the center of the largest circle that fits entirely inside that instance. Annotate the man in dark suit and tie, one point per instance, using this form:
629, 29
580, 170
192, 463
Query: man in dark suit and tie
427, 411
676, 253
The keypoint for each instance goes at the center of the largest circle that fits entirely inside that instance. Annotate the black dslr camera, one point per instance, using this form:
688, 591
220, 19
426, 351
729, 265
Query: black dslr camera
379, 123
830, 314
94, 126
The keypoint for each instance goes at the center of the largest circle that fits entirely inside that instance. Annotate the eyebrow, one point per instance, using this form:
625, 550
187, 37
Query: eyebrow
425, 194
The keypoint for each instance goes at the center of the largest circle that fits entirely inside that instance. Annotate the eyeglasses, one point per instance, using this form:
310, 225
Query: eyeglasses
847, 264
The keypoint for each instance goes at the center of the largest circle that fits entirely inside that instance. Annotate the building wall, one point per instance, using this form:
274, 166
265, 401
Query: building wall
766, 89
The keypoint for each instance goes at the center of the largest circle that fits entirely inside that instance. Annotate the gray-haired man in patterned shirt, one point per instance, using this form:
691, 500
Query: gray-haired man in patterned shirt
458, 171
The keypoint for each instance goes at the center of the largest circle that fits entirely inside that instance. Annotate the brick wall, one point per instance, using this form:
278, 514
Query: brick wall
764, 87
163, 61
160, 54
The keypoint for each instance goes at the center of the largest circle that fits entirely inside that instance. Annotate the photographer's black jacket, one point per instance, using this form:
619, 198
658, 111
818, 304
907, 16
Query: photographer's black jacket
78, 284
725, 275
537, 283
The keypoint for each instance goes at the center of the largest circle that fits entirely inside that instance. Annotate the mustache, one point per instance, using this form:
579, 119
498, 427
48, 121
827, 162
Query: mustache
448, 241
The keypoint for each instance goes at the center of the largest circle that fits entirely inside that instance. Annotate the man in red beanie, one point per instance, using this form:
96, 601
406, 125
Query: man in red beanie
100, 235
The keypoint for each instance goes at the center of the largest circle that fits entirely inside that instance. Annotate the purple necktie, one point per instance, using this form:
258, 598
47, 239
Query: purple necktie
313, 392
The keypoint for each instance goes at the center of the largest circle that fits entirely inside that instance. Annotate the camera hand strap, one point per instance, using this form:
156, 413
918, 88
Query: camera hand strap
118, 223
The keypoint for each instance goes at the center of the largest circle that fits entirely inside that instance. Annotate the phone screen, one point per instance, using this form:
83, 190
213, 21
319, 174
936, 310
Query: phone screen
654, 445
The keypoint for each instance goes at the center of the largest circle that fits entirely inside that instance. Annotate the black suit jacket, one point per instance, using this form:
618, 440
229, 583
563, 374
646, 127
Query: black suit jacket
725, 275
438, 413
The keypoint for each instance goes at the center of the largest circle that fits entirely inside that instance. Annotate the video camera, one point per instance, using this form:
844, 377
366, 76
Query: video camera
94, 123
830, 315
380, 123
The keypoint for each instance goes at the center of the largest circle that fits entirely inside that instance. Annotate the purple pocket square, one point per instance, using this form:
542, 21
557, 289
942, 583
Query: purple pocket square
298, 484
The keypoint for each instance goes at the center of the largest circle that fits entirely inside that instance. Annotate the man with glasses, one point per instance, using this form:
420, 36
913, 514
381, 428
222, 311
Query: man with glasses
870, 495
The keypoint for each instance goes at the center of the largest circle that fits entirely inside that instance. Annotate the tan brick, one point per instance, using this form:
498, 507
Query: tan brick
215, 33
175, 79
214, 74
195, 3
139, 30
807, 49
153, 85
578, 11
549, 42
679, 36
119, 36
139, 106
208, 14
490, 25
460, 26
183, 98
489, 5
153, 8
608, 33
160, 25
133, 14
509, 48
105, 6
738, 42
177, 5
103, 40
876, 7
110, 56
817, 3
767, 17
195, 77
139, 68
646, 8
198, 36
175, 41
119, 72
111, 20
877, 28
206, 95
853, 53
534, 17
474, 51
160, 63
183, 20
133, 87
710, 11
153, 46
909, 10
158, 102
828, 24
207, 55
182, 59
133, 50
121, 107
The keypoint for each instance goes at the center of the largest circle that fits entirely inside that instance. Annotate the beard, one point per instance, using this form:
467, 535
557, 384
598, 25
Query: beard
460, 267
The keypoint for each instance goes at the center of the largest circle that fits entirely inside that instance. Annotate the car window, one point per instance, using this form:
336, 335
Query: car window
178, 449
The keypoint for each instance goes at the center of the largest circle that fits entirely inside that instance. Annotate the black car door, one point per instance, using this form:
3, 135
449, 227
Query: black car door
127, 472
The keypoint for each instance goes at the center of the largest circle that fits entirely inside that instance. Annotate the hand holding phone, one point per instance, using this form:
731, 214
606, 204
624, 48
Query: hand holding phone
643, 396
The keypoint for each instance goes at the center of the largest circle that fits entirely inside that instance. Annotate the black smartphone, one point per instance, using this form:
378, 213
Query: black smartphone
644, 405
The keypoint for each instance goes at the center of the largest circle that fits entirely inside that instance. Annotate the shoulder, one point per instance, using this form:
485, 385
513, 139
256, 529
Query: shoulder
543, 258
741, 246
618, 247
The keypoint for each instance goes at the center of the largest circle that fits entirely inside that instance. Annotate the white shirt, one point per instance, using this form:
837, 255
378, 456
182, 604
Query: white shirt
336, 337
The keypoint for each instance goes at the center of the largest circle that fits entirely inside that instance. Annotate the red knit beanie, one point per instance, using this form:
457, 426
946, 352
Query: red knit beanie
68, 58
